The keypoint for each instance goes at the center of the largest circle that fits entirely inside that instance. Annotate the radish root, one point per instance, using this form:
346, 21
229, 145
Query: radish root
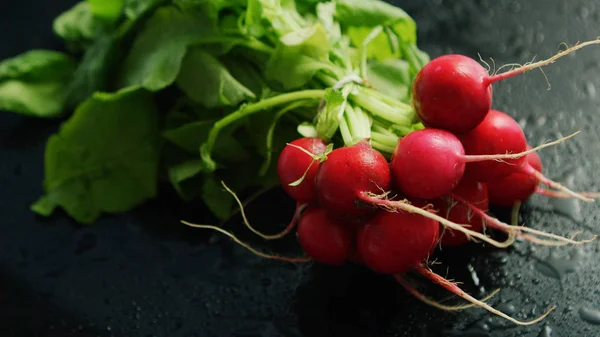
518, 230
552, 184
461, 293
299, 209
561, 195
539, 64
395, 206
248, 247
404, 283
502, 157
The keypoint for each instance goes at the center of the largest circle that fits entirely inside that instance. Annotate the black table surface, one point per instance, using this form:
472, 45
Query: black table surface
144, 274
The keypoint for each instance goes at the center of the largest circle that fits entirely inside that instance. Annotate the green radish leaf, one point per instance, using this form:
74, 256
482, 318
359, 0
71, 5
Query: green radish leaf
246, 73
278, 16
77, 26
106, 9
94, 69
206, 80
185, 178
391, 77
134, 9
359, 17
190, 136
35, 83
298, 56
155, 58
326, 16
329, 117
104, 158
219, 201
212, 8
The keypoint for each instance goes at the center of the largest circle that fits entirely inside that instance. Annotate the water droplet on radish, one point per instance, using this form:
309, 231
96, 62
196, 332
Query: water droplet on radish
590, 315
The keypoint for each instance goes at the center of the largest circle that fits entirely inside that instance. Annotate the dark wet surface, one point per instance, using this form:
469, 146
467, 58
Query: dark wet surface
143, 274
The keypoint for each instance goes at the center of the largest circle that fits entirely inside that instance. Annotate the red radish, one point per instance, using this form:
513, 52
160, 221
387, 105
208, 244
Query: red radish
429, 163
325, 239
474, 192
292, 165
454, 92
499, 133
348, 172
518, 186
396, 242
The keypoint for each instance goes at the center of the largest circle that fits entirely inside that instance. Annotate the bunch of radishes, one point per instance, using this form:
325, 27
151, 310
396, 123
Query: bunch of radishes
436, 188
355, 205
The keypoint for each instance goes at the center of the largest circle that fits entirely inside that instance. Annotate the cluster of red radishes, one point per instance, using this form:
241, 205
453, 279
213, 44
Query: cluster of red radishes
356, 206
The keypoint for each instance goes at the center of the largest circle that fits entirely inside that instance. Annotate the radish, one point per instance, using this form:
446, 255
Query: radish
429, 163
391, 243
348, 172
499, 133
294, 164
454, 92
516, 187
323, 238
473, 191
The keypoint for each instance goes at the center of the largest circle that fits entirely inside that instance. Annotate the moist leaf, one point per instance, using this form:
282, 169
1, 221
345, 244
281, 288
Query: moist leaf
278, 16
391, 77
359, 17
104, 158
298, 56
206, 80
158, 50
35, 83
77, 26
106, 9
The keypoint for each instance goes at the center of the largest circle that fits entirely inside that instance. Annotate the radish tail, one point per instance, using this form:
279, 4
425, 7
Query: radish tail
533, 65
453, 288
395, 206
561, 195
404, 283
502, 157
552, 184
248, 247
518, 230
299, 209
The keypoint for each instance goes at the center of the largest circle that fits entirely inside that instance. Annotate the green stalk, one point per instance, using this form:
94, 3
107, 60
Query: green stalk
345, 131
382, 110
247, 110
388, 140
384, 149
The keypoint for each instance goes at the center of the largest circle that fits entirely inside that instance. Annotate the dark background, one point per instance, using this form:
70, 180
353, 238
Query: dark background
144, 274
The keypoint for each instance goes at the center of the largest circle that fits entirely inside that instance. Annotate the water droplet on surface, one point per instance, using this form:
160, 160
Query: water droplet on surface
590, 315
507, 308
570, 208
546, 331
590, 89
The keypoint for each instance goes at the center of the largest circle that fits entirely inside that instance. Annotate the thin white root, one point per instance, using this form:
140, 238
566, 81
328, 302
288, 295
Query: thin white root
254, 251
288, 229
539, 64
394, 206
502, 157
459, 292
518, 230
436, 304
